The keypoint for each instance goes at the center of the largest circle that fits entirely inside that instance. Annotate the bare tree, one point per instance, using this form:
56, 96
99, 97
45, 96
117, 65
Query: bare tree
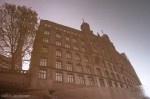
18, 25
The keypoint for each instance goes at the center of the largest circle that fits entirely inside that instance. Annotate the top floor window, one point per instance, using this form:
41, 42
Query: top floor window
46, 33
58, 35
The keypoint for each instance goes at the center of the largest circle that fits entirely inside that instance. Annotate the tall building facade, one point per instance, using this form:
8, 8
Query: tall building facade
64, 59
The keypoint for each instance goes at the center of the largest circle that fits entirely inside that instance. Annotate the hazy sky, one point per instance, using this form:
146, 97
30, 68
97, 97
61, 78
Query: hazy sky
126, 22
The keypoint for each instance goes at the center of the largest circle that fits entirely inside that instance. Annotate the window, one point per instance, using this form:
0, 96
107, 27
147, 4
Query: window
58, 35
44, 50
67, 38
107, 73
58, 43
59, 76
70, 78
83, 49
91, 81
68, 55
121, 85
58, 65
82, 42
46, 32
86, 59
113, 76
69, 67
81, 80
45, 40
115, 83
101, 81
58, 53
77, 57
109, 83
74, 40
43, 62
75, 48
97, 60
79, 69
67, 45
89, 70
42, 74
99, 72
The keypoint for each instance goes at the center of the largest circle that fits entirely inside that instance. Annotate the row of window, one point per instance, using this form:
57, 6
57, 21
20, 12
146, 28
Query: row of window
69, 56
67, 45
67, 38
80, 79
58, 65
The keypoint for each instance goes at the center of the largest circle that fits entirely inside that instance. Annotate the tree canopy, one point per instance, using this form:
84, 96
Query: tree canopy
18, 25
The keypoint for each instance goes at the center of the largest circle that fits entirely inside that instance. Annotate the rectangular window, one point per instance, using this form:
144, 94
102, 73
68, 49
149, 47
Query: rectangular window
74, 40
44, 50
89, 70
58, 43
42, 74
69, 67
75, 48
67, 38
77, 58
68, 55
81, 80
101, 81
58, 53
70, 78
59, 77
83, 49
99, 72
110, 83
67, 45
86, 59
79, 69
43, 62
58, 35
58, 65
91, 81
45, 40
46, 32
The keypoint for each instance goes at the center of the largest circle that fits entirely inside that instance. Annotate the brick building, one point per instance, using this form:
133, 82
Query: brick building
73, 64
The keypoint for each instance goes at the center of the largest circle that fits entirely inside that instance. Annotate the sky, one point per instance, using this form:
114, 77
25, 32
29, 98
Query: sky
126, 22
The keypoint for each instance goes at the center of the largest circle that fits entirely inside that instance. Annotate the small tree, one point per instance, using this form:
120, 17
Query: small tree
18, 25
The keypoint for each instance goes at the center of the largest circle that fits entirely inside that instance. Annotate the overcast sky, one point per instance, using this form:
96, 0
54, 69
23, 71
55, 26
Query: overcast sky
126, 22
